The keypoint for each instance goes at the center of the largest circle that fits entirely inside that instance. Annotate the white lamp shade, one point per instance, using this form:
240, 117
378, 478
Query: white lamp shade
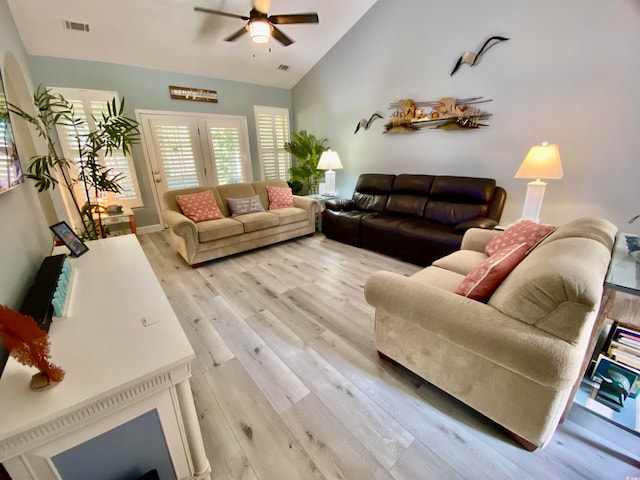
542, 161
260, 31
329, 160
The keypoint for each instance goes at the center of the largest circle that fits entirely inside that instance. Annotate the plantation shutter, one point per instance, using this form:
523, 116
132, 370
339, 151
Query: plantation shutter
231, 162
89, 105
272, 127
176, 145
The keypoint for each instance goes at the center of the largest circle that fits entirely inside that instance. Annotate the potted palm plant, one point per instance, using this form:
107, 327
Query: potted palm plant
307, 149
113, 132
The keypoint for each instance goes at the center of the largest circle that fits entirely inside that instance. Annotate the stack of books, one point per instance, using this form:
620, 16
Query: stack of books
624, 346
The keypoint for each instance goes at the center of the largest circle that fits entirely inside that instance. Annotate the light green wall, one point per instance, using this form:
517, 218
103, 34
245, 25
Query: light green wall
25, 235
146, 89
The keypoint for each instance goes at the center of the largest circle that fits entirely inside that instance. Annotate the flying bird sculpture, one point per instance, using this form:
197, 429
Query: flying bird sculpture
364, 123
471, 58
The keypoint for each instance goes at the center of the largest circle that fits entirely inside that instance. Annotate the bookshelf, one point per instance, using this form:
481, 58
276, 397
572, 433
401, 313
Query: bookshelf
611, 383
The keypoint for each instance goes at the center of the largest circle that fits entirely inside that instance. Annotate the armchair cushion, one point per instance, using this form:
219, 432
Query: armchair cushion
199, 207
526, 231
483, 280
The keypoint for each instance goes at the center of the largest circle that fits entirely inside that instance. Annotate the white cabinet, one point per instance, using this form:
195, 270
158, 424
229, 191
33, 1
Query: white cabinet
125, 354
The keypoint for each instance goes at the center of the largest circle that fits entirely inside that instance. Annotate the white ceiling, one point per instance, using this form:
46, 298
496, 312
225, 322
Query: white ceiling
169, 35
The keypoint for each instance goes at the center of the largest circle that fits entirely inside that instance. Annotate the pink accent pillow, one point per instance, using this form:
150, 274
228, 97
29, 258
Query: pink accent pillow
199, 207
280, 197
483, 280
526, 231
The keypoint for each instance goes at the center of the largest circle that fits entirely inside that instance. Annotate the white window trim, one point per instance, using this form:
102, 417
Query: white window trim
85, 95
279, 112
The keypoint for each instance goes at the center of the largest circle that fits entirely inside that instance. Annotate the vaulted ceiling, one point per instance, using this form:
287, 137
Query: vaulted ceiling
170, 35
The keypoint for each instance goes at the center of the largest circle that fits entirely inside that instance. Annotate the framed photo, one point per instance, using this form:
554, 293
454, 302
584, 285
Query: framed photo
69, 238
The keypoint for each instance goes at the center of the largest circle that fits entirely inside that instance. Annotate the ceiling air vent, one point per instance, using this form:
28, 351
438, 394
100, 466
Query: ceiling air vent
80, 27
283, 67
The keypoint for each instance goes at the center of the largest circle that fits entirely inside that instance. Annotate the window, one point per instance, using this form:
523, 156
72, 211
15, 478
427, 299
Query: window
272, 127
87, 105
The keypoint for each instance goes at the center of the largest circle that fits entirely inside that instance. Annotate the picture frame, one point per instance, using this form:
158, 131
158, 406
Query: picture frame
67, 236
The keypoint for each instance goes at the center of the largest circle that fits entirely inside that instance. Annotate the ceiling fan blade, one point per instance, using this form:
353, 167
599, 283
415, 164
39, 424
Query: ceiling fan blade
218, 12
281, 37
295, 18
262, 5
236, 35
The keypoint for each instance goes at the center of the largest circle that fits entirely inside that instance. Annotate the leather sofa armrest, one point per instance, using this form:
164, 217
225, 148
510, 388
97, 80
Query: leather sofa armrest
478, 222
338, 204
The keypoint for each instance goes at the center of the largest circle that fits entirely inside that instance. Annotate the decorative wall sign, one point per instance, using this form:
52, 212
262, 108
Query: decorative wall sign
471, 58
194, 94
446, 113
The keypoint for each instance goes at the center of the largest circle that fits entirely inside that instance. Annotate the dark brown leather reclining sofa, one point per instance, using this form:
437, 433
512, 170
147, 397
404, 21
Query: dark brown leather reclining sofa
417, 218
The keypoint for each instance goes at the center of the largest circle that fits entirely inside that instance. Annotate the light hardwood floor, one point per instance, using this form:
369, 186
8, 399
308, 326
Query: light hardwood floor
288, 385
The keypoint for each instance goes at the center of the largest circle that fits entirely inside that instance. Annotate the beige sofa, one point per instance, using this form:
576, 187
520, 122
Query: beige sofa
516, 358
199, 242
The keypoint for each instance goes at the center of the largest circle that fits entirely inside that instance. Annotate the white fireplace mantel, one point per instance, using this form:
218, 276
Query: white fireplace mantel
124, 353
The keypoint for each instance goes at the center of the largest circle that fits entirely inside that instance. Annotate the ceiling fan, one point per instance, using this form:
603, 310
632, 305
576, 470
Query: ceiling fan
260, 25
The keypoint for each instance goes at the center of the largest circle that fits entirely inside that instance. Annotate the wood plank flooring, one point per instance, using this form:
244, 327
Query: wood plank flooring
288, 385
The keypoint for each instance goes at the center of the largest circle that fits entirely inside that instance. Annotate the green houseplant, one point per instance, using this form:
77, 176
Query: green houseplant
307, 149
113, 132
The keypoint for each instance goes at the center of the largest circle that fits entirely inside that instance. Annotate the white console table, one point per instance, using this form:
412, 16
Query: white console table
125, 355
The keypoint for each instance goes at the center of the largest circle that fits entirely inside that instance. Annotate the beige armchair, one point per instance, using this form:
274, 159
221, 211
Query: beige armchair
516, 358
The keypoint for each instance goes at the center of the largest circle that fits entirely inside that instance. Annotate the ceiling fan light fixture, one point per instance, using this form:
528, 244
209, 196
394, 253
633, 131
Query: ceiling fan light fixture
260, 31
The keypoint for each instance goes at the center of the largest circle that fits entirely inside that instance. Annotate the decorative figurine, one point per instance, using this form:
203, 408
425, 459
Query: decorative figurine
471, 58
29, 345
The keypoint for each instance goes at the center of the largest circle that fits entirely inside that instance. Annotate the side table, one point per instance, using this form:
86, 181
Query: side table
620, 303
322, 199
126, 216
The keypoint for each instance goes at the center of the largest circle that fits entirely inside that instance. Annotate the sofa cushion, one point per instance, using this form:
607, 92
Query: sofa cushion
257, 221
280, 197
462, 261
421, 242
199, 207
372, 191
445, 279
409, 195
290, 215
483, 280
453, 200
526, 231
243, 206
216, 229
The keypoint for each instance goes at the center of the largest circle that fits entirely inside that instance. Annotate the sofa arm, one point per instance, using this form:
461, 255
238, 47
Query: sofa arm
340, 204
477, 239
477, 327
478, 222
180, 224
305, 203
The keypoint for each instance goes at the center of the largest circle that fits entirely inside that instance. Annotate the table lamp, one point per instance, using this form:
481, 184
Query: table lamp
542, 161
328, 161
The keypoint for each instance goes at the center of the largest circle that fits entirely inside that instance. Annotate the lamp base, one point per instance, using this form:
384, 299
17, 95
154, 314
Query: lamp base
533, 201
330, 182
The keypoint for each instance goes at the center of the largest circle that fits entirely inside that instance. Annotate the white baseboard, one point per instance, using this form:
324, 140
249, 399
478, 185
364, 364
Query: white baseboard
149, 229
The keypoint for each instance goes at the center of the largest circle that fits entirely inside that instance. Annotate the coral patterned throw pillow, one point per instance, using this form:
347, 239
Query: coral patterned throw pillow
526, 231
483, 280
199, 207
280, 197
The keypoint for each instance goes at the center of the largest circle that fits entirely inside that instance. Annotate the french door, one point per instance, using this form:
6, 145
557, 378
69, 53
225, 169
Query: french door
189, 150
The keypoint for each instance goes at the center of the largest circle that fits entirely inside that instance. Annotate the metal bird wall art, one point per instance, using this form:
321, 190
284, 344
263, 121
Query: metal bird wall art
471, 58
365, 124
